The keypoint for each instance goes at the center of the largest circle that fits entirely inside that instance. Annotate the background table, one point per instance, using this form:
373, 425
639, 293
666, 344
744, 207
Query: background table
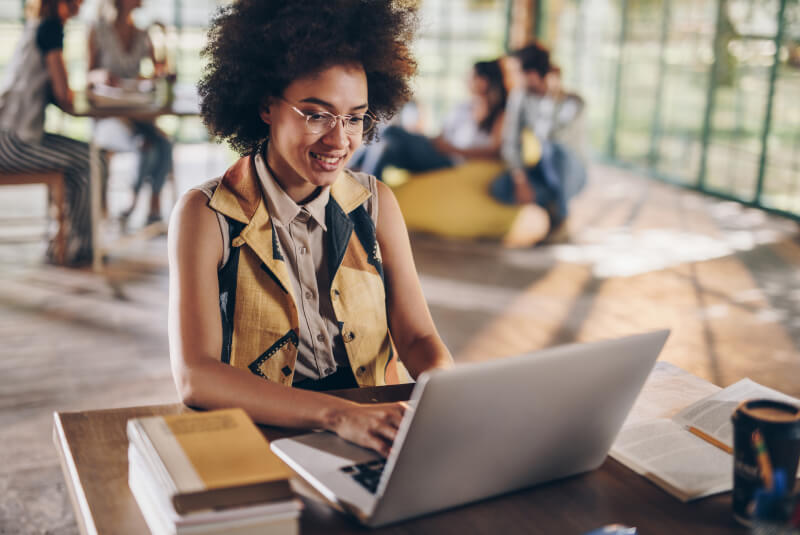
185, 105
93, 449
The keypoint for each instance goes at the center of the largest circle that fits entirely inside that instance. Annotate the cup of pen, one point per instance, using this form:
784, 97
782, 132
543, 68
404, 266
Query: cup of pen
766, 450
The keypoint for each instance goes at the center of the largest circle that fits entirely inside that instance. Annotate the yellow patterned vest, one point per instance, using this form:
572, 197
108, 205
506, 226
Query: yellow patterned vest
257, 305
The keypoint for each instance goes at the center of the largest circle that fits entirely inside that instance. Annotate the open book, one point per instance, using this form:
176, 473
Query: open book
688, 453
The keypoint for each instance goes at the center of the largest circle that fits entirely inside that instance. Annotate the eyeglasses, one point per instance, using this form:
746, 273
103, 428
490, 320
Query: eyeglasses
322, 122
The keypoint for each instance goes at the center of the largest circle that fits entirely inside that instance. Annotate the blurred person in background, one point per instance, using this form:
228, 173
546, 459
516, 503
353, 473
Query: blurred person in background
538, 103
116, 50
35, 76
473, 130
291, 275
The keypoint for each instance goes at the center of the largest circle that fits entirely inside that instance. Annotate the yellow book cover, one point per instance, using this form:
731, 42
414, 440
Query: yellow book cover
210, 459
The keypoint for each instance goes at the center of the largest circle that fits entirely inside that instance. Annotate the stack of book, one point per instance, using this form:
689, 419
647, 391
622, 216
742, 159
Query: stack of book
208, 473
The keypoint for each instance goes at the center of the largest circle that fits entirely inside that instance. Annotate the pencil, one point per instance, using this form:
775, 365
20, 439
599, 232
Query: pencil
762, 457
711, 440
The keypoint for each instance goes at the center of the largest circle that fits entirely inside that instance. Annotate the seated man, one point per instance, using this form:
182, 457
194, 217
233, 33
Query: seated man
538, 104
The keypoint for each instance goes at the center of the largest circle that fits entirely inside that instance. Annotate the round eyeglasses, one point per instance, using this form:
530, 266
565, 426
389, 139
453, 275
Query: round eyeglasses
322, 122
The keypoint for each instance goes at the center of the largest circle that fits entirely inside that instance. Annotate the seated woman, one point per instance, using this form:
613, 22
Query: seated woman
472, 131
35, 75
116, 50
291, 274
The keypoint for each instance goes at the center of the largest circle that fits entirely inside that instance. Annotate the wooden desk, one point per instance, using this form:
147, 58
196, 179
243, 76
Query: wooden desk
93, 449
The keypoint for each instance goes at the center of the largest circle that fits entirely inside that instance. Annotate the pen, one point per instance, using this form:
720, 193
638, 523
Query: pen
711, 440
762, 457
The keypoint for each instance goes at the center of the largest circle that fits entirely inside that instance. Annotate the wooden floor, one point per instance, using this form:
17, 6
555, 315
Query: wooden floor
642, 255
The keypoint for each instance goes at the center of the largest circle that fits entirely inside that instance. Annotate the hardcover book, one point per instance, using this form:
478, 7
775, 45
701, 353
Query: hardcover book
210, 460
271, 518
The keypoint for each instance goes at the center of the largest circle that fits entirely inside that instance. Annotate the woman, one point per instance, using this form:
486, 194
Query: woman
473, 130
116, 50
290, 273
36, 76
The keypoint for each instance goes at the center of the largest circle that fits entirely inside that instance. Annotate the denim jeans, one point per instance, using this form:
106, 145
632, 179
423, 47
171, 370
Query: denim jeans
155, 157
399, 148
556, 177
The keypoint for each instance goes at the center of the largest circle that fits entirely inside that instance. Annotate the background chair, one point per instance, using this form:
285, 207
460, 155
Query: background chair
54, 180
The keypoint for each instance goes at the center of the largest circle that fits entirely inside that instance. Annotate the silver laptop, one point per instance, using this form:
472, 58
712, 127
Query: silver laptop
482, 429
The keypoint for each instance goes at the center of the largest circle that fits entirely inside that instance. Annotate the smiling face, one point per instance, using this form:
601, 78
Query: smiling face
300, 160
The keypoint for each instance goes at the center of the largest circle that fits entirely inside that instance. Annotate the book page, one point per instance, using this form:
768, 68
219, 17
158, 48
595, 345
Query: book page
677, 461
712, 415
667, 390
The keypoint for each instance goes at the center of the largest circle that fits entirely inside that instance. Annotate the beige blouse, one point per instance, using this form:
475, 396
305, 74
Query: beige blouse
301, 236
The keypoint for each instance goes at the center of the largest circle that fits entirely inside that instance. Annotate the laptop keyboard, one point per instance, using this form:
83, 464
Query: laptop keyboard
367, 474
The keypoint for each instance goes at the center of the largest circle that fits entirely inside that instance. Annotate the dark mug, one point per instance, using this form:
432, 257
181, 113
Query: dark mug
766, 450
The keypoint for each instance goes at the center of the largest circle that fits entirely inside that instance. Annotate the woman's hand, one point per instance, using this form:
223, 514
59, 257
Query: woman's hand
97, 77
523, 192
373, 426
442, 146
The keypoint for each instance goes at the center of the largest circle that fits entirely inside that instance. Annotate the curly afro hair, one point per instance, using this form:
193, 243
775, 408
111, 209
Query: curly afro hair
256, 48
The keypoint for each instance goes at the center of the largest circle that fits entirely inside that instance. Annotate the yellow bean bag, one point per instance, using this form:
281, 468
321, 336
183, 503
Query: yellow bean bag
455, 203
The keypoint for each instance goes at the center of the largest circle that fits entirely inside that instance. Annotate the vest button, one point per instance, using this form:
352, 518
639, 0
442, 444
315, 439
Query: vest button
349, 336
321, 337
361, 370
